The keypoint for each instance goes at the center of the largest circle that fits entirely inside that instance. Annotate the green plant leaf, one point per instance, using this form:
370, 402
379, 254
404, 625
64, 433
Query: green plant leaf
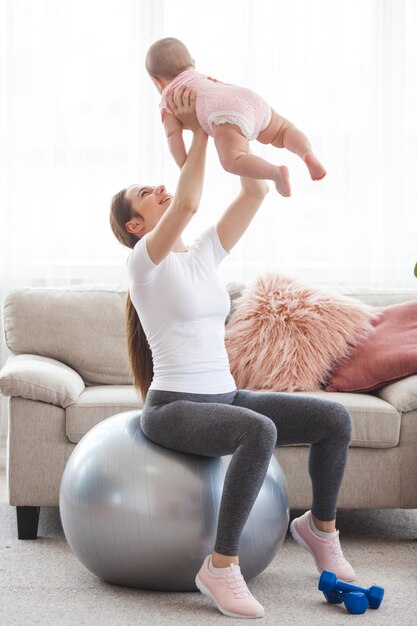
415, 271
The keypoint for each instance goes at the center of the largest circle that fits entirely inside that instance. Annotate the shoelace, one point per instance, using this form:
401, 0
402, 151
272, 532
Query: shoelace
237, 583
336, 549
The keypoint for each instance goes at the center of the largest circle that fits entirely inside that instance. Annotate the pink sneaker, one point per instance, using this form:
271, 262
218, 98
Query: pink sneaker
229, 592
327, 553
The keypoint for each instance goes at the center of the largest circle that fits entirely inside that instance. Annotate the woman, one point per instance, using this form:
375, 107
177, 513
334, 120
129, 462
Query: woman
175, 325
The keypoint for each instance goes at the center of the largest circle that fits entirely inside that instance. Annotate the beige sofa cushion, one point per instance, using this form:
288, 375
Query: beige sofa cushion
379, 296
82, 326
40, 378
97, 403
375, 423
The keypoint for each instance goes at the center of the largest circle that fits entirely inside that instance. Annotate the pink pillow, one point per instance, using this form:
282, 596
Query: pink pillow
286, 336
388, 354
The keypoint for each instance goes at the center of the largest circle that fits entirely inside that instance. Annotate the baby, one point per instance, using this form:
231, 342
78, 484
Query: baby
232, 115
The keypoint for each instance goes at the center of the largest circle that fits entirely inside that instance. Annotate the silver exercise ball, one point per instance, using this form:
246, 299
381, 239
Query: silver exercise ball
143, 516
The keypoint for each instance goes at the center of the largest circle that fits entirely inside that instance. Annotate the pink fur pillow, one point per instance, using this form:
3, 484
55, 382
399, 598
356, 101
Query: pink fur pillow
287, 336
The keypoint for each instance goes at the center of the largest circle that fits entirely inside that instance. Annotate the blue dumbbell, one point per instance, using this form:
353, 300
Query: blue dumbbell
356, 603
328, 583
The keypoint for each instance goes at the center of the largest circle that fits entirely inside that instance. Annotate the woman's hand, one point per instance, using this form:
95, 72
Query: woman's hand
182, 104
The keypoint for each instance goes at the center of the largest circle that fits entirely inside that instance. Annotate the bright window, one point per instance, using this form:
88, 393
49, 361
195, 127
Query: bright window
79, 120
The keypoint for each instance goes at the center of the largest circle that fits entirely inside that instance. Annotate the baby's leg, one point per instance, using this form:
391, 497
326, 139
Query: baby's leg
283, 134
233, 150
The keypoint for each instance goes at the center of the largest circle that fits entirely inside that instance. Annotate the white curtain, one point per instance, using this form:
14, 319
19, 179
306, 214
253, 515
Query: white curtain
79, 120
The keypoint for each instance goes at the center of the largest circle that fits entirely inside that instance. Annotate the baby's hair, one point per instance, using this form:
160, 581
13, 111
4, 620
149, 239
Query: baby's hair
167, 58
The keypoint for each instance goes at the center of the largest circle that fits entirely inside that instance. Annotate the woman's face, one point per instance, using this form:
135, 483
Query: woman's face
150, 203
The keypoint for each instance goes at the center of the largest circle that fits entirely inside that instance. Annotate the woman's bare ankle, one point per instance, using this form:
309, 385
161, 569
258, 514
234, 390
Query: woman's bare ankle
223, 560
326, 527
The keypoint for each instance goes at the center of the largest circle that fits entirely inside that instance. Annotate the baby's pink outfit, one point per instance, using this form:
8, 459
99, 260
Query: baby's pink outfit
221, 103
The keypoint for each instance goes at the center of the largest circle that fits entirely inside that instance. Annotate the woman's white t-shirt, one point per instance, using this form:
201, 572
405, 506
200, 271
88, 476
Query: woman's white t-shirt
182, 306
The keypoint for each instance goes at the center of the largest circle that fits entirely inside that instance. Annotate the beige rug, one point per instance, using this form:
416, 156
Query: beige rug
41, 582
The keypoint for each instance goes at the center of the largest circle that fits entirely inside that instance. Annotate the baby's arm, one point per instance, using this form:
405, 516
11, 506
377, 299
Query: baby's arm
173, 131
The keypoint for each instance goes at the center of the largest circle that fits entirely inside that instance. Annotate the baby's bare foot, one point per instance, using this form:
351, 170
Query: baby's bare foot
317, 171
282, 181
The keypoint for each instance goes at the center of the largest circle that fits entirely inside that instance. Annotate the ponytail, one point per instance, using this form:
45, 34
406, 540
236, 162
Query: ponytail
140, 354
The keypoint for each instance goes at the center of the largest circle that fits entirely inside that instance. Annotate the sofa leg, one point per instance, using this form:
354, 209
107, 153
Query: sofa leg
27, 521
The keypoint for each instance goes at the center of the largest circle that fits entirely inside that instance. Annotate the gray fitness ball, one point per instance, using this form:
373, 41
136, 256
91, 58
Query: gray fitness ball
143, 516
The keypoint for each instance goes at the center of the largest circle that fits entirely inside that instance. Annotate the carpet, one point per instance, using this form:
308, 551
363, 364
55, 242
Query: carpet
42, 582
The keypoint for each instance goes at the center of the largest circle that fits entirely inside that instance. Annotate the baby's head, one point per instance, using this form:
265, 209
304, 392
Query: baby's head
167, 58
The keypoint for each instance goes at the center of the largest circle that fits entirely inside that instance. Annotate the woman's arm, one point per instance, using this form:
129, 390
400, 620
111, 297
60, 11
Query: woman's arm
186, 200
173, 131
237, 217
190, 184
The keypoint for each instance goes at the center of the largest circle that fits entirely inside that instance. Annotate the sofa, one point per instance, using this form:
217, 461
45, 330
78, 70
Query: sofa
67, 369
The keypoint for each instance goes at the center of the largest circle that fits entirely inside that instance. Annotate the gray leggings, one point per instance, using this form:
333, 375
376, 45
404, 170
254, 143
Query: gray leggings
249, 425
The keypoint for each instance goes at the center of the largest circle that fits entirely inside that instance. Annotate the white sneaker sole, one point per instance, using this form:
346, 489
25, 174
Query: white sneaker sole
301, 543
206, 592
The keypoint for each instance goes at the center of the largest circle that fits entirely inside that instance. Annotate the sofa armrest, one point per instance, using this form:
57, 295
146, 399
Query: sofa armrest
402, 394
40, 378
